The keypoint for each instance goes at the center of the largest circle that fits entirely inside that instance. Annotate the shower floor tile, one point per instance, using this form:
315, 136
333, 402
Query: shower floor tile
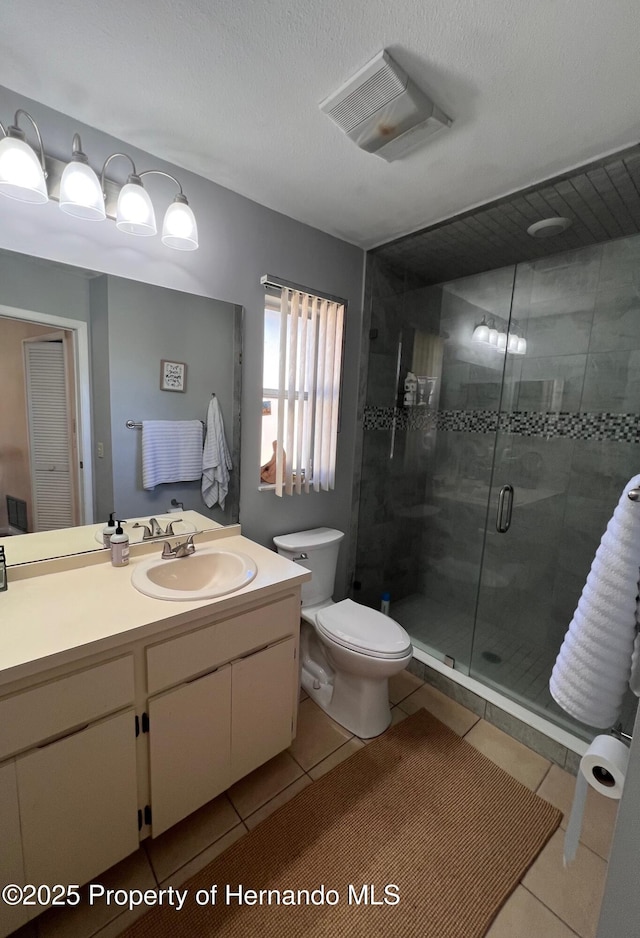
503, 658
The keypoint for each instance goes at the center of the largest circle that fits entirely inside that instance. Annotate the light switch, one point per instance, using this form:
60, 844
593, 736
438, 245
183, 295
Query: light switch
100, 450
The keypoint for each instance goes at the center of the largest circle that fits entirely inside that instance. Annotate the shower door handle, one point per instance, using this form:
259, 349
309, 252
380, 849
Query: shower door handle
505, 501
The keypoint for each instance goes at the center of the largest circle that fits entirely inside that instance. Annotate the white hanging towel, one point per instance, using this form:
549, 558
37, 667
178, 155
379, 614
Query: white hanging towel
171, 451
216, 459
594, 665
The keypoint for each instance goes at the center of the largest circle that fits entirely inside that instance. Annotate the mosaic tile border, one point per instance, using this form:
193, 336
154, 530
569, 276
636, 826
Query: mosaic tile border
621, 428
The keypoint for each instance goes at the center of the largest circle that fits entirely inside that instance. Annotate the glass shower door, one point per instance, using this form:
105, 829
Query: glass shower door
433, 399
541, 530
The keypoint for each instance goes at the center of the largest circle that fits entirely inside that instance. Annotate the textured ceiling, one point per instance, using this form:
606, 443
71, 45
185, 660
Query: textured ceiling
230, 90
602, 201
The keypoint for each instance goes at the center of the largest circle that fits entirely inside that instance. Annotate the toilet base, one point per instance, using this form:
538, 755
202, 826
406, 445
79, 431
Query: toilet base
351, 688
359, 704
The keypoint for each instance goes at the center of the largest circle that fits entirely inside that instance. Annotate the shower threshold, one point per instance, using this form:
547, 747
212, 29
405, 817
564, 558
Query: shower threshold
554, 732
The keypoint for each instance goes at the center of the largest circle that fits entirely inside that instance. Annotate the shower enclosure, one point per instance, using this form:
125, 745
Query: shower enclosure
491, 468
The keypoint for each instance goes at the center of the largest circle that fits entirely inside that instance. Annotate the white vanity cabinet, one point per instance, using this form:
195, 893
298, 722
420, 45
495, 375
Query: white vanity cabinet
68, 792
211, 729
11, 864
124, 742
189, 747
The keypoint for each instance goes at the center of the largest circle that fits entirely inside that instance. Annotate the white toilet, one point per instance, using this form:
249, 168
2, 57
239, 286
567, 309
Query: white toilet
348, 652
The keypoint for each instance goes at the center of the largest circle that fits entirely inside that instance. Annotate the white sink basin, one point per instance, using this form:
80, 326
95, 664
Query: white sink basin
208, 573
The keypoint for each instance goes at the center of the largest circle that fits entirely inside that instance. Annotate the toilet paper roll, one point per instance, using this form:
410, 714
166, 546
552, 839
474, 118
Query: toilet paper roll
604, 765
604, 768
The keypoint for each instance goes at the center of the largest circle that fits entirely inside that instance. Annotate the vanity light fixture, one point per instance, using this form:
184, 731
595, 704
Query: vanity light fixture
481, 332
22, 170
512, 342
134, 211
31, 176
80, 189
517, 344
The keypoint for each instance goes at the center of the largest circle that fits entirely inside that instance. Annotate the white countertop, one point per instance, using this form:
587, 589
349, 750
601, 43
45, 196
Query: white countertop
52, 618
42, 545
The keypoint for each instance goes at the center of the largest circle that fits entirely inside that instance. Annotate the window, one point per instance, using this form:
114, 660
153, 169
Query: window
303, 337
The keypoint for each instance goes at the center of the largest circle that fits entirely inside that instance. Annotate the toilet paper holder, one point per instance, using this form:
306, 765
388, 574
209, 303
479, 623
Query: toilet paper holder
617, 732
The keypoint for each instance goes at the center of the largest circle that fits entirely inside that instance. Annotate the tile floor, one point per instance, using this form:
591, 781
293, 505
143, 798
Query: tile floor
549, 900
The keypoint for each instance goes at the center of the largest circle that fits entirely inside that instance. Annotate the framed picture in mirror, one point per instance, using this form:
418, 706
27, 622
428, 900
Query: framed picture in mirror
173, 376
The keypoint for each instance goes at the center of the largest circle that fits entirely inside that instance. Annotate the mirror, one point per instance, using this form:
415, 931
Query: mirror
85, 355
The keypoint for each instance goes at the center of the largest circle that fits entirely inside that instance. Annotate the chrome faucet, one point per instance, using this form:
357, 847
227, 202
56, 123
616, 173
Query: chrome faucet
181, 549
154, 529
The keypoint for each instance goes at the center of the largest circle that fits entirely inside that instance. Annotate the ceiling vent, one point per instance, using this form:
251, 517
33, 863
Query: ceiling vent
383, 111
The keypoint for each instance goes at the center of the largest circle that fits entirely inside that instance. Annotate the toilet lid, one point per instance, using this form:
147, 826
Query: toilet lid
363, 629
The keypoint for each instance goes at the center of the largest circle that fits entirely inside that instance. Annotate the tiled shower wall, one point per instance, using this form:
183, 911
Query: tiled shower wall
568, 413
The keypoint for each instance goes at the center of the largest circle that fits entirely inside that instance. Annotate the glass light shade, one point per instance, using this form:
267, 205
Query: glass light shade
501, 343
134, 212
80, 192
522, 346
180, 230
493, 336
512, 342
481, 333
21, 175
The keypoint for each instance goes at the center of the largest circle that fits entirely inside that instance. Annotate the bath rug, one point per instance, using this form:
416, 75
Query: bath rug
416, 834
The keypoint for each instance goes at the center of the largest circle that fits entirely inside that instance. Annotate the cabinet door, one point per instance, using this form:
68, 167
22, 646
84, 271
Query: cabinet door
189, 740
262, 705
79, 802
11, 866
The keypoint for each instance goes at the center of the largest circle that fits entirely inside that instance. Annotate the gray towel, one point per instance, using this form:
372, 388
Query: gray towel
216, 459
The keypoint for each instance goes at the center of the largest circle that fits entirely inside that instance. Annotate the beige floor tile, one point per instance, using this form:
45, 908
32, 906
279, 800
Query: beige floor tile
210, 853
251, 792
254, 819
84, 920
188, 838
599, 817
574, 893
351, 746
524, 916
448, 711
397, 716
303, 695
515, 758
403, 684
317, 735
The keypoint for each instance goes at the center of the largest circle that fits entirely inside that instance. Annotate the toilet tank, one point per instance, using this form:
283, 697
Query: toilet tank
321, 545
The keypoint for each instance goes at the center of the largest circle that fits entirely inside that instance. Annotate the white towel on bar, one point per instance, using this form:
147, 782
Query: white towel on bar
594, 666
216, 459
171, 451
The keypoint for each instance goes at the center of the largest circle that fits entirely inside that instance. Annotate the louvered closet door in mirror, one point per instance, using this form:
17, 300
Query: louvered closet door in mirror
51, 442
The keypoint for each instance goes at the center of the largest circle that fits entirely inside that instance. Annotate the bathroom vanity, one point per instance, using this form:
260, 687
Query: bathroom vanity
121, 714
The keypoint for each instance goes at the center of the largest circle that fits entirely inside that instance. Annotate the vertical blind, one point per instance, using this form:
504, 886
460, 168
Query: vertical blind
308, 393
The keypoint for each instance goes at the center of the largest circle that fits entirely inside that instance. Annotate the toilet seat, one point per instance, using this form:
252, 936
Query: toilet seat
363, 630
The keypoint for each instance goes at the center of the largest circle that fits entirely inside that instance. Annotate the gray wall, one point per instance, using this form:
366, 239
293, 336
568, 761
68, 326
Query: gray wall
239, 241
104, 502
41, 287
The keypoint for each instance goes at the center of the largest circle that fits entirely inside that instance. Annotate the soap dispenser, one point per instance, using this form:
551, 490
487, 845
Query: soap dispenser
108, 531
119, 547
